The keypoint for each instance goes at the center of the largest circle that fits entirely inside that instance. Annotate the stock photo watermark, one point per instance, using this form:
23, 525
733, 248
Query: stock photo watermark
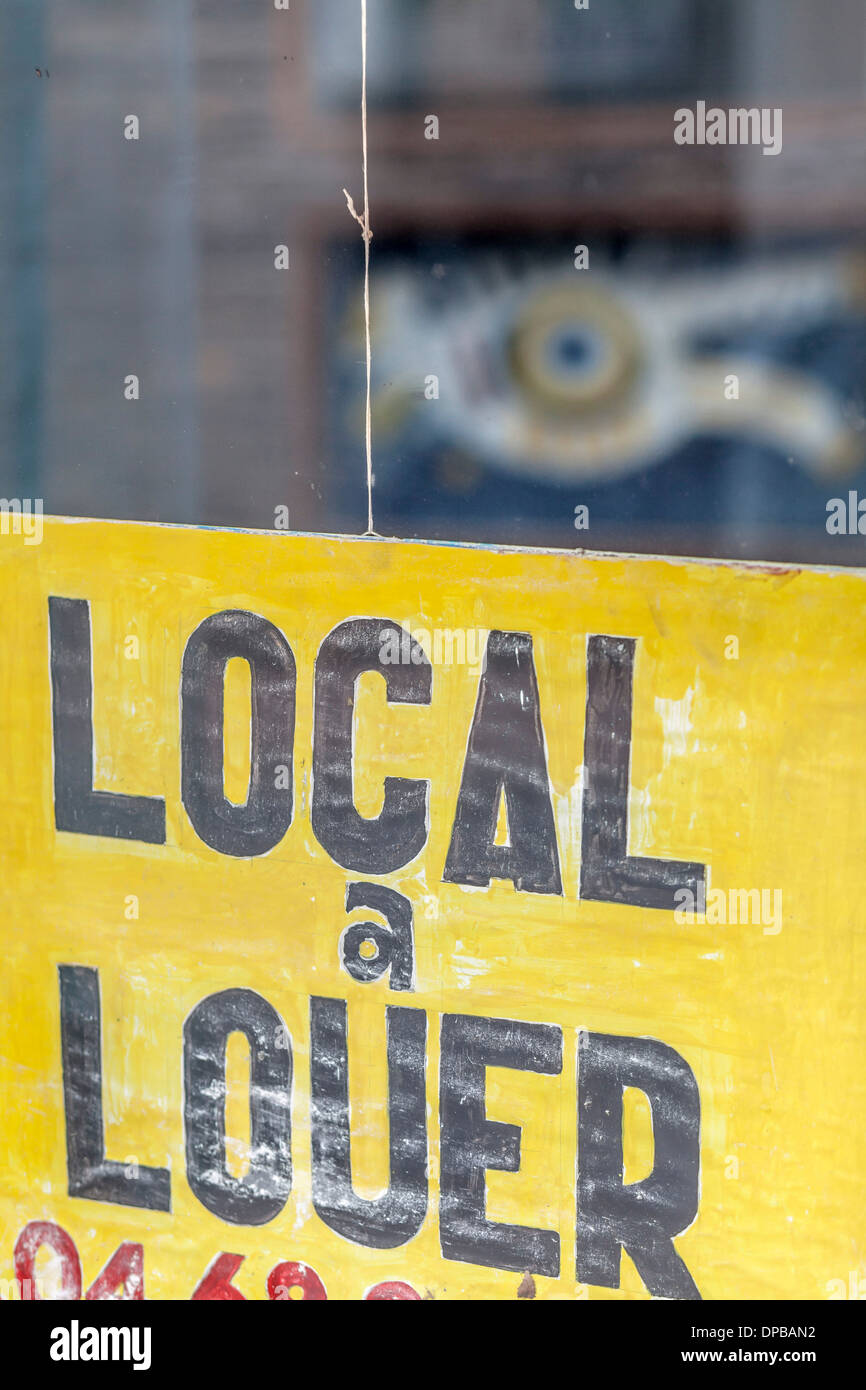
22, 517
854, 1290
30, 1290
77, 1343
846, 516
443, 646
738, 125
713, 907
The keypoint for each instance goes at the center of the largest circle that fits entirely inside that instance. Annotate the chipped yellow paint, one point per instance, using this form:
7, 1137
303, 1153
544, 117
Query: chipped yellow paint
754, 766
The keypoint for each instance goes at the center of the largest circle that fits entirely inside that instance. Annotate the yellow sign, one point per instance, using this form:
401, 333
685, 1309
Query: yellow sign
395, 920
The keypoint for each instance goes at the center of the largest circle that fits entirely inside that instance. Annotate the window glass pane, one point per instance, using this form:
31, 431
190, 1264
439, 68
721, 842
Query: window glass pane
584, 332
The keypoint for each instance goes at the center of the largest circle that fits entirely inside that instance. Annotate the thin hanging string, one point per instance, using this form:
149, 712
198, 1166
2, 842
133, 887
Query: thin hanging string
364, 224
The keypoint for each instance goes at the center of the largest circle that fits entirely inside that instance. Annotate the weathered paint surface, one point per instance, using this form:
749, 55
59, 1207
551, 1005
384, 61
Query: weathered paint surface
156, 928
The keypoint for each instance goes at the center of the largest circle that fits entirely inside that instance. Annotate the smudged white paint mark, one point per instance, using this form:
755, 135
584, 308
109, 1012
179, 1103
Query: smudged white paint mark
304, 1212
641, 820
567, 812
427, 902
678, 742
676, 717
467, 968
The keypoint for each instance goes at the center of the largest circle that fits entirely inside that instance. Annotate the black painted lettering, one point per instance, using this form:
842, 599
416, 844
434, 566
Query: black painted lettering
90, 1173
77, 807
385, 842
505, 756
260, 823
263, 1191
393, 939
608, 873
471, 1143
395, 1217
643, 1217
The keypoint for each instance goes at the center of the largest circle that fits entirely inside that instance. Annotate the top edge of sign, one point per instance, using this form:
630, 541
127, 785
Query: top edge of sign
780, 567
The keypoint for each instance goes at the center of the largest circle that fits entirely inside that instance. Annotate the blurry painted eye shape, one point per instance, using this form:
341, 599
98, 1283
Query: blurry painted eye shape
573, 351
574, 347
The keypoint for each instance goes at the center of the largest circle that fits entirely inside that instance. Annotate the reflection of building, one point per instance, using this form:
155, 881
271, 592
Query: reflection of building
21, 291
532, 51
555, 128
